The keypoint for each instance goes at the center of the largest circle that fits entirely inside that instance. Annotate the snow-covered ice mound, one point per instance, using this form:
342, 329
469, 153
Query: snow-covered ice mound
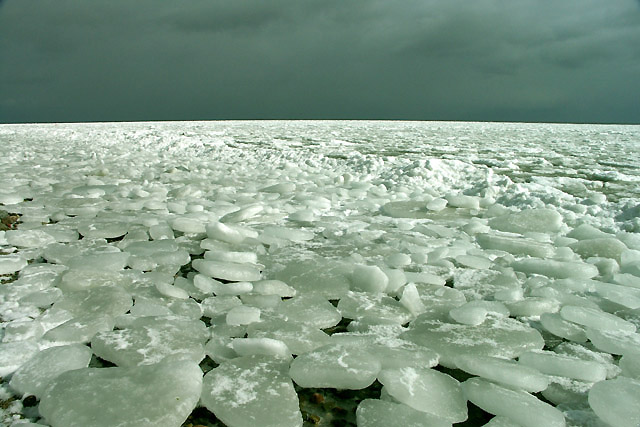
251, 273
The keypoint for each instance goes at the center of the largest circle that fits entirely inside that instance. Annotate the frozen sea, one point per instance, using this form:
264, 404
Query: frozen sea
317, 272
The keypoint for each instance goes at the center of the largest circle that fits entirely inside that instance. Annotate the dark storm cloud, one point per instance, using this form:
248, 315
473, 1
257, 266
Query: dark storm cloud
528, 60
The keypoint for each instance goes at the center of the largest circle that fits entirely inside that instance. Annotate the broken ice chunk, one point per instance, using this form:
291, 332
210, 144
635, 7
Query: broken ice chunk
242, 214
263, 346
273, 287
227, 270
601, 247
533, 306
335, 366
215, 306
397, 353
596, 319
380, 413
106, 300
369, 278
251, 390
298, 337
43, 298
14, 354
319, 276
556, 269
551, 363
102, 229
229, 233
11, 263
231, 256
613, 341
630, 365
517, 405
462, 201
37, 372
360, 305
108, 261
426, 390
555, 324
80, 329
243, 315
515, 245
497, 336
504, 371
284, 233
28, 238
411, 299
149, 340
616, 401
171, 291
475, 312
309, 310
161, 394
536, 220
472, 261
188, 225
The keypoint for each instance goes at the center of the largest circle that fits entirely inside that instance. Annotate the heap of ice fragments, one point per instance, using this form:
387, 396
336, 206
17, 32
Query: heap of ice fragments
232, 266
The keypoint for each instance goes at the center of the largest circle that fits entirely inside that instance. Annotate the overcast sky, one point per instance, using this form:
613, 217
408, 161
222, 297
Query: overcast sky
497, 60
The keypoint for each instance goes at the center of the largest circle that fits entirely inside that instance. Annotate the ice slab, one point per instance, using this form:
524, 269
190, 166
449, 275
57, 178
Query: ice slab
596, 319
500, 337
327, 278
555, 324
504, 371
163, 394
426, 390
227, 270
11, 263
368, 278
109, 261
380, 413
298, 337
79, 329
600, 247
475, 312
556, 269
630, 366
528, 220
105, 300
231, 256
22, 330
273, 287
361, 305
515, 245
243, 315
188, 225
335, 366
552, 363
229, 233
262, 346
103, 229
310, 310
28, 238
33, 377
251, 390
517, 405
14, 354
616, 401
148, 340
614, 341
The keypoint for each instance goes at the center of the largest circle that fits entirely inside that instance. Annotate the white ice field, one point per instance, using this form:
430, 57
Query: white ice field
162, 267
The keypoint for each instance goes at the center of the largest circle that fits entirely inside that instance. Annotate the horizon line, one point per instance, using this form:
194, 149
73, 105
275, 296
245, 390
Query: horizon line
319, 120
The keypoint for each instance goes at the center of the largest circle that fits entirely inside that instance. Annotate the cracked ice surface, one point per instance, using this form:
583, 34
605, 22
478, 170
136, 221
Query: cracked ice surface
451, 262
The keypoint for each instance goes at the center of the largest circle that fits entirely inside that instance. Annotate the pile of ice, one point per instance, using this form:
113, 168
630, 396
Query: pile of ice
460, 266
